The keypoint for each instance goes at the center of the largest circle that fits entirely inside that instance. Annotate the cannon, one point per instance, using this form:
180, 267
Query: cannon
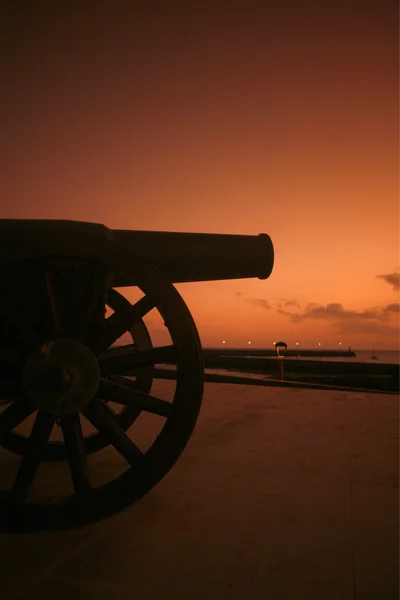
72, 387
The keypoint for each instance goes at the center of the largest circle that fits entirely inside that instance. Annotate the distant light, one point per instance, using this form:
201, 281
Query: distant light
297, 343
224, 342
249, 342
340, 343
274, 343
319, 343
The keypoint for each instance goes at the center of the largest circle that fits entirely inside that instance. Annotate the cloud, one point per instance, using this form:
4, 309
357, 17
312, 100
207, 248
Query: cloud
292, 302
392, 308
239, 294
295, 317
258, 302
283, 303
336, 312
392, 279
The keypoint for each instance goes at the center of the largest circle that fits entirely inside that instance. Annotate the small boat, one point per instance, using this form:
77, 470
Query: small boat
374, 357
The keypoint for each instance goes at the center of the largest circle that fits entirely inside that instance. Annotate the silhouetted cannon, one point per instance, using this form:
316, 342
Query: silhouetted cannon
71, 385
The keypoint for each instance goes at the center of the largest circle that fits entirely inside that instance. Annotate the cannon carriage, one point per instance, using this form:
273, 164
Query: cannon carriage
70, 389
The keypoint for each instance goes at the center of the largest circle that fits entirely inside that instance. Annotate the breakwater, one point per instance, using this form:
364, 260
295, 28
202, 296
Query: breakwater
270, 364
262, 352
355, 374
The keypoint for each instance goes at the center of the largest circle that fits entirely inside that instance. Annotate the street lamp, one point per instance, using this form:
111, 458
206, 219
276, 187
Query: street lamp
281, 348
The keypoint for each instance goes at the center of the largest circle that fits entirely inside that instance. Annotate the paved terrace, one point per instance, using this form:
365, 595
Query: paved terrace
281, 494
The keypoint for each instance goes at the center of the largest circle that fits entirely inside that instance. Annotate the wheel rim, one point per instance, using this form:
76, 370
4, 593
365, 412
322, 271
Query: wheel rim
145, 469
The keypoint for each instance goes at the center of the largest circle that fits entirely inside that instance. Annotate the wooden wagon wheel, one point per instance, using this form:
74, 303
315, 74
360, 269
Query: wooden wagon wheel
75, 373
142, 381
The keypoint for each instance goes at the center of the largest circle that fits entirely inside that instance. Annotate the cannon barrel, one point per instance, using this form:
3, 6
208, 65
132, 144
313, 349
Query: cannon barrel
181, 257
184, 257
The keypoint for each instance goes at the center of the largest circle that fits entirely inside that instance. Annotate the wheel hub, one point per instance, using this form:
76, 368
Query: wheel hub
61, 378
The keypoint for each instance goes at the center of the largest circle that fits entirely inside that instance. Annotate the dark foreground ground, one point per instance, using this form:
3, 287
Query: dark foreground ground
281, 494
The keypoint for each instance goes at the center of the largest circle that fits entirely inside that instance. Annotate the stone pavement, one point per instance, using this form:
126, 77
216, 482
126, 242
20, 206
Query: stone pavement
281, 494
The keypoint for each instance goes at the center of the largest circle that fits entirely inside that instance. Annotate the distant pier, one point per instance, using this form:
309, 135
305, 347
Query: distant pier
264, 352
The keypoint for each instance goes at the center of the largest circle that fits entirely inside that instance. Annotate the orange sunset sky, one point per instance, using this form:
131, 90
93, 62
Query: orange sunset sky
221, 117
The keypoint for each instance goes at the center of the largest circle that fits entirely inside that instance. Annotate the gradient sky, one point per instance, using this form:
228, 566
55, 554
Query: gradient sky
222, 117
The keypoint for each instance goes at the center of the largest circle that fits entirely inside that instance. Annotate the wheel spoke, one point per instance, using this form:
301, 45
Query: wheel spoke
23, 336
120, 390
34, 449
51, 291
127, 349
13, 415
76, 452
118, 362
103, 419
120, 322
95, 290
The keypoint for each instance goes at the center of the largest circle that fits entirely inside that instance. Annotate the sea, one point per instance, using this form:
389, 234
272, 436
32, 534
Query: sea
384, 357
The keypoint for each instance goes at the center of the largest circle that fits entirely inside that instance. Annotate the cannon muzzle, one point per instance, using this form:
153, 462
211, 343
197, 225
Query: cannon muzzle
184, 257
